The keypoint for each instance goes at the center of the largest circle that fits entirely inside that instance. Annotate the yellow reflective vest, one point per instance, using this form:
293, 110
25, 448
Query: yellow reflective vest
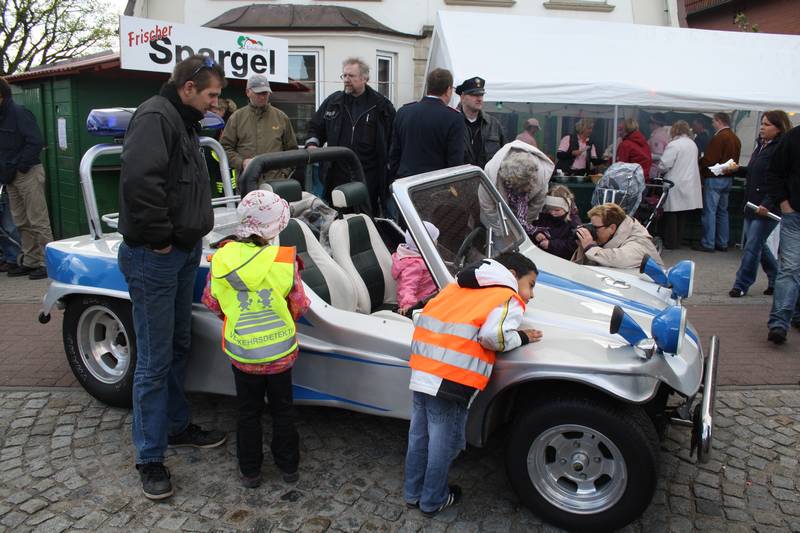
251, 284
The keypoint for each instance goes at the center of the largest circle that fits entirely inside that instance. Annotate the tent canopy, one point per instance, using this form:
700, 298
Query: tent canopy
554, 60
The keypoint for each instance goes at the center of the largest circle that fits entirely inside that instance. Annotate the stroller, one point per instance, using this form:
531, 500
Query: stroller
624, 185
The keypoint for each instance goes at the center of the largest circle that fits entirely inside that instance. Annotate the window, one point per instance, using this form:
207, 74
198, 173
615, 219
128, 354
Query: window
579, 5
300, 105
385, 74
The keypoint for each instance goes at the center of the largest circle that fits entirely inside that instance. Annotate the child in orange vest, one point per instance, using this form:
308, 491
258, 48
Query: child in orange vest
262, 216
452, 355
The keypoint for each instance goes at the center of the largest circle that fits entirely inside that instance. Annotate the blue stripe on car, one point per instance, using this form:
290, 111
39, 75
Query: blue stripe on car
103, 272
304, 393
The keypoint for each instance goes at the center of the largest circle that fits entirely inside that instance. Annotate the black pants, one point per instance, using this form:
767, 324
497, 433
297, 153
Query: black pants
674, 224
285, 446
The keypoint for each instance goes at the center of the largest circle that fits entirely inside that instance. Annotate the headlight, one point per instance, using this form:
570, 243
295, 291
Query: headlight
669, 328
681, 279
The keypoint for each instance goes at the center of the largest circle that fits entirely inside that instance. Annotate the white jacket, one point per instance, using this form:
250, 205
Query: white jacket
499, 332
680, 163
625, 249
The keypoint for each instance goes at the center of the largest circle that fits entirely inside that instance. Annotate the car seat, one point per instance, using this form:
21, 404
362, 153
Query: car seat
320, 272
358, 248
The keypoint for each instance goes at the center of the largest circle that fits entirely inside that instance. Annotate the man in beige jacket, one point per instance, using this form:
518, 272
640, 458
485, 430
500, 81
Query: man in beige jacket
258, 128
622, 241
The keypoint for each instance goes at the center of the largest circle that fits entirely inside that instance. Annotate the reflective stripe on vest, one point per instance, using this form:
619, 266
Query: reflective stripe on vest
251, 284
445, 341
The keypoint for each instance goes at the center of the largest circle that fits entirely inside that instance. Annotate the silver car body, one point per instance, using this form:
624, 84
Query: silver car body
360, 361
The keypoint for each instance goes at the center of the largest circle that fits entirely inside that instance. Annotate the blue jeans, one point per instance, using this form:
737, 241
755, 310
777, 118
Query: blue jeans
715, 212
160, 286
435, 437
9, 236
785, 305
756, 230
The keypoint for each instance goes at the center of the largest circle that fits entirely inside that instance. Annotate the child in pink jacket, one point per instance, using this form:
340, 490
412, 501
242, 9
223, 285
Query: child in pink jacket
414, 282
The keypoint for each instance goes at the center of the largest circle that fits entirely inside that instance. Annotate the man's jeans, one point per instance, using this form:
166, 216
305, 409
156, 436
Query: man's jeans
785, 305
715, 212
755, 252
9, 236
435, 436
161, 287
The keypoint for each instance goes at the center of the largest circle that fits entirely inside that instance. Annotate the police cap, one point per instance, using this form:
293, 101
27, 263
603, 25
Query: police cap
475, 85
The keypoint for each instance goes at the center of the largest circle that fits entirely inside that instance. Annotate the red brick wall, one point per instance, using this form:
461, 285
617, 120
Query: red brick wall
772, 16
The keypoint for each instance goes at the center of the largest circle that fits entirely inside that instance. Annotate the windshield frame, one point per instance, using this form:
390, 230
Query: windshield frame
402, 190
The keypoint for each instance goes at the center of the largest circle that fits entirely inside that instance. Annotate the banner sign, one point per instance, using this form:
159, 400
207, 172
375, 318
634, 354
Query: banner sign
155, 46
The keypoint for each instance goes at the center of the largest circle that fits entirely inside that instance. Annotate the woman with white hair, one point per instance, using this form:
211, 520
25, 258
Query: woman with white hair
255, 287
679, 161
521, 173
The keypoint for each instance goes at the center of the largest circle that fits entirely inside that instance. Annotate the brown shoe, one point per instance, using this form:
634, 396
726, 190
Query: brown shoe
4, 266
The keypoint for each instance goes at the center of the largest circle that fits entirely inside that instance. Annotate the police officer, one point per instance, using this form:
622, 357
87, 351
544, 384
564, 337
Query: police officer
484, 133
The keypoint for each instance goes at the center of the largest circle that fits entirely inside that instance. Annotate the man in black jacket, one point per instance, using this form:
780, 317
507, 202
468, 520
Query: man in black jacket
783, 190
428, 135
359, 118
22, 173
165, 210
483, 135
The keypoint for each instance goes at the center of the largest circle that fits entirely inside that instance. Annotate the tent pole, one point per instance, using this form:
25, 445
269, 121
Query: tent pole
614, 129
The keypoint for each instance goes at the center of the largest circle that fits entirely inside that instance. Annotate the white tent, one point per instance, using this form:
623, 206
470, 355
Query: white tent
554, 60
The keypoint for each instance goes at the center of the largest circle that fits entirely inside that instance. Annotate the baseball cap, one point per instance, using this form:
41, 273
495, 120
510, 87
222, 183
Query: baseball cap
532, 122
259, 84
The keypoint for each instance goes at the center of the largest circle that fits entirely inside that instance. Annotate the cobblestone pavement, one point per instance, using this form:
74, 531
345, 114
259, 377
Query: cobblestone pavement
66, 463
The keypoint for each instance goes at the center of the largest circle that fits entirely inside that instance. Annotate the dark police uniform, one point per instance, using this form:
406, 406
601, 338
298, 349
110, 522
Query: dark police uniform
484, 137
428, 135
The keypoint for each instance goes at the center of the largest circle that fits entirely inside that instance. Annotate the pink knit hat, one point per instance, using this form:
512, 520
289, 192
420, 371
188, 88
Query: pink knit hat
262, 213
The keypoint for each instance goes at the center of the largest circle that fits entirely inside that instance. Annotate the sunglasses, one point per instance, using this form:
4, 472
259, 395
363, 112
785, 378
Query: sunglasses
207, 63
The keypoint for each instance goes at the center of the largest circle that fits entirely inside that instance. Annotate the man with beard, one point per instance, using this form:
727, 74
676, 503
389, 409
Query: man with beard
484, 133
359, 118
258, 128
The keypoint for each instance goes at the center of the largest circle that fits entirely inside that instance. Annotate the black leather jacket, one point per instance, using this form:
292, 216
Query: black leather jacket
164, 189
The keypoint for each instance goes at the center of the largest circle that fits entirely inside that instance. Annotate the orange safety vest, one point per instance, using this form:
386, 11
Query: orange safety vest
445, 341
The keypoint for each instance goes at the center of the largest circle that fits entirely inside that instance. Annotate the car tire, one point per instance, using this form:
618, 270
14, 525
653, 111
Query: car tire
101, 347
583, 464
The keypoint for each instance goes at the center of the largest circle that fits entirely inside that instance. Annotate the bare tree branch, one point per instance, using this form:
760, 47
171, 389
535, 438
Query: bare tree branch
41, 32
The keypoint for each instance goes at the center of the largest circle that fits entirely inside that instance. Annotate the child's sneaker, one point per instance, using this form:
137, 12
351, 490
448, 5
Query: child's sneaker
251, 482
452, 499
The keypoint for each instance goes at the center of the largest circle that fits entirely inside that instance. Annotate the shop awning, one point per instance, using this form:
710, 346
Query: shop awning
555, 60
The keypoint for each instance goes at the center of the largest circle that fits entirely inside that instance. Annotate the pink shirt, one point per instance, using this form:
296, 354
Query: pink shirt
580, 161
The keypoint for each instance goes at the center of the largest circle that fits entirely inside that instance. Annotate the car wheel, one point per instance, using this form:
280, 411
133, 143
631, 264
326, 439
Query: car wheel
101, 347
581, 464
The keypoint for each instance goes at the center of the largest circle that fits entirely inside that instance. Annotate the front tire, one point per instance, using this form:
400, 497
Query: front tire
583, 464
101, 347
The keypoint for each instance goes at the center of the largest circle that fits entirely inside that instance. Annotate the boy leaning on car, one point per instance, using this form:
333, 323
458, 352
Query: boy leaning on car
452, 354
165, 210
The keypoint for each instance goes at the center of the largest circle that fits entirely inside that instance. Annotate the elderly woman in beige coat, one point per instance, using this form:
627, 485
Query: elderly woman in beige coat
622, 242
521, 173
679, 161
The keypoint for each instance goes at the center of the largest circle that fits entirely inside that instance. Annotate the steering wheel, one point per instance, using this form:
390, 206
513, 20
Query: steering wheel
466, 244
